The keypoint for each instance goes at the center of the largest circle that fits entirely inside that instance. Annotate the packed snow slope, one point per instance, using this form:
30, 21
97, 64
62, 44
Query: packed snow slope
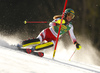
15, 61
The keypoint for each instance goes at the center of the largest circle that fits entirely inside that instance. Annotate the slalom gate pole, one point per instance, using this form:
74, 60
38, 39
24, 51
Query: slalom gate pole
59, 29
25, 22
72, 55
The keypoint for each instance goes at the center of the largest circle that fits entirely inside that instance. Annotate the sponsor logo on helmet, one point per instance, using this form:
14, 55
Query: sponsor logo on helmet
72, 11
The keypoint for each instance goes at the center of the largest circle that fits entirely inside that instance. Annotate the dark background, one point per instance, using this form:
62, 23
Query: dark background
14, 12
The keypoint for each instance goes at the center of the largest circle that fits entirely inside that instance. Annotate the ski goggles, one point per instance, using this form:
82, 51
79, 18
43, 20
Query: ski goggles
70, 15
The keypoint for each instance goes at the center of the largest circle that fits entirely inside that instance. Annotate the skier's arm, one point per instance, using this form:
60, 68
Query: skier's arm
72, 36
71, 33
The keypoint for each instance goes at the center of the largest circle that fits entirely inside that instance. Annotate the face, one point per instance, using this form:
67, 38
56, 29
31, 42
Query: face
69, 17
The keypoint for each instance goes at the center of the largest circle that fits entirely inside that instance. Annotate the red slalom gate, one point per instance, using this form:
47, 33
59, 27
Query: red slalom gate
59, 29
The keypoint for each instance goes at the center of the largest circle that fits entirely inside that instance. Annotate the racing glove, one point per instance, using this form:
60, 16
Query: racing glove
78, 46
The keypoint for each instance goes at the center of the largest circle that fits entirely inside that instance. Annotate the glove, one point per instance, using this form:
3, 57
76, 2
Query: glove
78, 46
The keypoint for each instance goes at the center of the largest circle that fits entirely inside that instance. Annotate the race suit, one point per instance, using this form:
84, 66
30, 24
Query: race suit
50, 34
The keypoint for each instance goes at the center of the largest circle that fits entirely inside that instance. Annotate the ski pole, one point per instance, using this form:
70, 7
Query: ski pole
72, 55
59, 29
25, 22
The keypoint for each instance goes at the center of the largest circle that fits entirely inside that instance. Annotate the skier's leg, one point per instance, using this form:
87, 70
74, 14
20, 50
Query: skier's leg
45, 35
48, 36
36, 41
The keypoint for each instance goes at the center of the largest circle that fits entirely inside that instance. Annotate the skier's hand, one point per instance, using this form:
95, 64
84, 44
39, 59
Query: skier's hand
78, 46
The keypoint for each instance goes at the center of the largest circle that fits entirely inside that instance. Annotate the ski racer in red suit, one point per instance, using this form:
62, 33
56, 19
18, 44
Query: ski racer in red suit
50, 34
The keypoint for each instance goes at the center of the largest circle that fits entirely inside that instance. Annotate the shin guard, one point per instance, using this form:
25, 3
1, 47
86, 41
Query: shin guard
30, 42
43, 46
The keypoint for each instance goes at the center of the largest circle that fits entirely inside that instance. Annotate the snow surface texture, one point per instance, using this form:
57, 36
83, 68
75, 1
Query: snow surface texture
14, 61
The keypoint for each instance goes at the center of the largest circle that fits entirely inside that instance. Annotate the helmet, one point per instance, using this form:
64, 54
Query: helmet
69, 11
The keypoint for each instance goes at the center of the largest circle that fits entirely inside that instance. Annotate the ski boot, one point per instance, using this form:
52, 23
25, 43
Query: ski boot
28, 50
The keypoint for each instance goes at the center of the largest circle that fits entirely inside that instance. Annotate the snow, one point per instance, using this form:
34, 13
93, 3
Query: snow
14, 61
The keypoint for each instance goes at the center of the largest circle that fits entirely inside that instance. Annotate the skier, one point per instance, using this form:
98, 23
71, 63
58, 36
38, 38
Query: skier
50, 34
